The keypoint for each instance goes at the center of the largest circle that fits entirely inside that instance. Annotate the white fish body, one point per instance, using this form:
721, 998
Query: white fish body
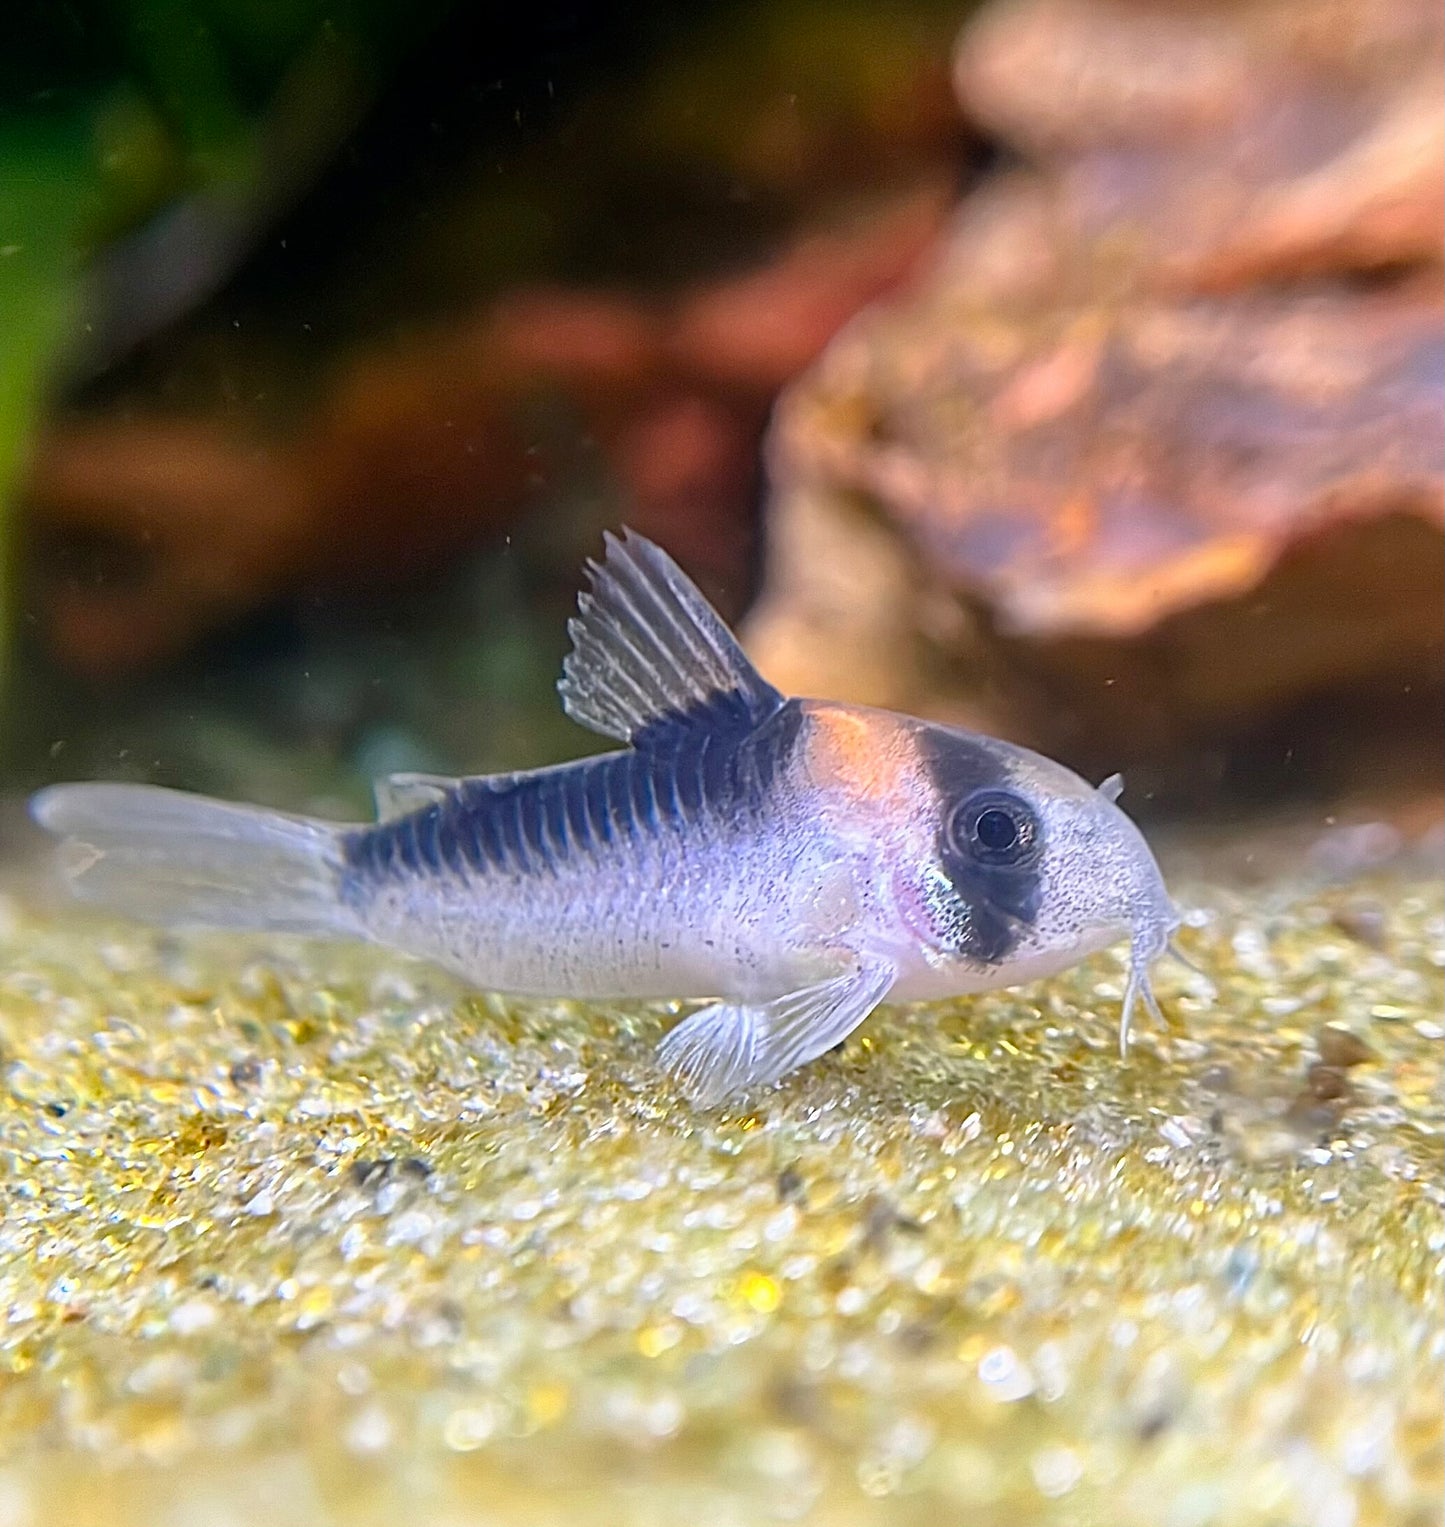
795, 861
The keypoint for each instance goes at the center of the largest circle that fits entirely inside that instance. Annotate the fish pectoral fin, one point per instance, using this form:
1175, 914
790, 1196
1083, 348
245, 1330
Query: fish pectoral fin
648, 648
728, 1046
398, 795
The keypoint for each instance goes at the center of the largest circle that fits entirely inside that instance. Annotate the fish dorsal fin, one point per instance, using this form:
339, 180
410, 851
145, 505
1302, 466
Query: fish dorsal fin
398, 795
647, 648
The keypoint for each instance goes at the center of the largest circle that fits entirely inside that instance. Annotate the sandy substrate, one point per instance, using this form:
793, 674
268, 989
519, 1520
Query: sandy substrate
299, 1235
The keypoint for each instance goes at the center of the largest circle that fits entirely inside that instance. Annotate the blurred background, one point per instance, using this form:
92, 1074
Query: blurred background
1071, 369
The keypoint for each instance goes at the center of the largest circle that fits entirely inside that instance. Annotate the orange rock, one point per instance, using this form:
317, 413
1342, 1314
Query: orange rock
1178, 469
1216, 146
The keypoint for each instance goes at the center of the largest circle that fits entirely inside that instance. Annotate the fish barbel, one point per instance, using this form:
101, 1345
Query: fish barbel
794, 862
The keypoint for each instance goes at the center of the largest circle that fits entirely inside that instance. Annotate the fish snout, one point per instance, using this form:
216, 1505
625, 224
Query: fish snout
1102, 878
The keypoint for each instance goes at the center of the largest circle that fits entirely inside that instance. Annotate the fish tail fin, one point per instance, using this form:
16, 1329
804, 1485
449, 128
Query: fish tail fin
185, 861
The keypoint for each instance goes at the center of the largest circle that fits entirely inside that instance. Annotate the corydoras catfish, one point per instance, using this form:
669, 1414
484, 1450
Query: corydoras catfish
794, 862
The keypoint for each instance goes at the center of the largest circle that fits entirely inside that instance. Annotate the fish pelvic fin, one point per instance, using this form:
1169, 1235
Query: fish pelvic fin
728, 1046
648, 651
184, 861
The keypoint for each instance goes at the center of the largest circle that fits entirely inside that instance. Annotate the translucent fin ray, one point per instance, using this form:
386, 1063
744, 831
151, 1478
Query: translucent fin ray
647, 647
184, 861
729, 1046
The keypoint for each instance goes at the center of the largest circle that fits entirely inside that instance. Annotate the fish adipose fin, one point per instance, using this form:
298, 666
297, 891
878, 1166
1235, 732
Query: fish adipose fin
398, 795
728, 1046
647, 648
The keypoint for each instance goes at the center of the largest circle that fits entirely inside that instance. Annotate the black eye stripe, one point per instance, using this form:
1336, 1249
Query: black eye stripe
993, 904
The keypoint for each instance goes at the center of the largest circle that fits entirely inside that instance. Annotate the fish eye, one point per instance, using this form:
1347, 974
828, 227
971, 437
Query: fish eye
995, 827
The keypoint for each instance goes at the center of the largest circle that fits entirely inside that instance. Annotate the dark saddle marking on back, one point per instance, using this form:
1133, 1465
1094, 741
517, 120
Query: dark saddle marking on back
678, 769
